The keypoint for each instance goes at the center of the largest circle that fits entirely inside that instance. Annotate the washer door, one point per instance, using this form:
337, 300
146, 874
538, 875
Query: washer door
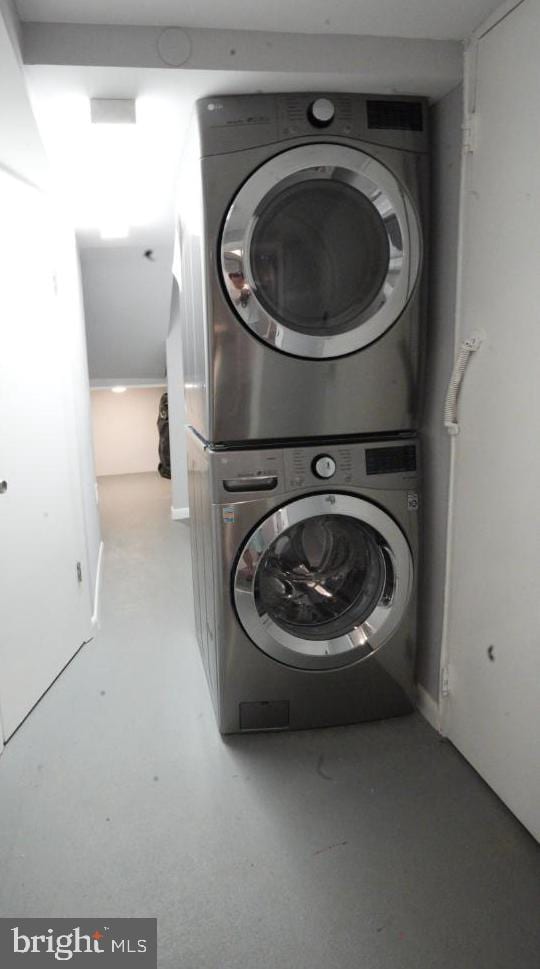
323, 582
320, 251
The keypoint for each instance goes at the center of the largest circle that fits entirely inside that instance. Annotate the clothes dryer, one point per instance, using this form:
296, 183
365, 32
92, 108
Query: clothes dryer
302, 265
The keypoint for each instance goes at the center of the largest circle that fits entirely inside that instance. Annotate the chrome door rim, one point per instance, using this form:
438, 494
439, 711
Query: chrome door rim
362, 640
381, 188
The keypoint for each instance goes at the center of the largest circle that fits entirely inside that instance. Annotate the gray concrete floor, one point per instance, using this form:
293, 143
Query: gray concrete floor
367, 847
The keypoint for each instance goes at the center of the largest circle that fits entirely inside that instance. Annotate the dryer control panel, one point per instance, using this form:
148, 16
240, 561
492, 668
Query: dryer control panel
238, 122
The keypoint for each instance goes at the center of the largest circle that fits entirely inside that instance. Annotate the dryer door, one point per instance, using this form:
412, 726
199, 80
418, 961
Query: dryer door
320, 251
323, 582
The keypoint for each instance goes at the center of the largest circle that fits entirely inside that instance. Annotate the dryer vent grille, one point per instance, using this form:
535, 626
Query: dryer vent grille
395, 115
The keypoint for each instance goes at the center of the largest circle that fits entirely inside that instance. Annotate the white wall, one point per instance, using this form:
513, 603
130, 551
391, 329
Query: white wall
446, 118
491, 646
70, 298
46, 610
21, 149
22, 154
125, 430
127, 303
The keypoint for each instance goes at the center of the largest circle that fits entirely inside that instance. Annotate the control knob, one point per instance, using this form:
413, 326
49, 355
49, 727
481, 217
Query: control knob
321, 112
324, 466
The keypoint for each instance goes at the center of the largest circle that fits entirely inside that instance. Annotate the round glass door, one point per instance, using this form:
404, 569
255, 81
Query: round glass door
323, 582
320, 251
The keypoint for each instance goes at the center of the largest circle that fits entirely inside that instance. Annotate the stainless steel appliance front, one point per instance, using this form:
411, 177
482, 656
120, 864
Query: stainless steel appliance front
301, 267
304, 565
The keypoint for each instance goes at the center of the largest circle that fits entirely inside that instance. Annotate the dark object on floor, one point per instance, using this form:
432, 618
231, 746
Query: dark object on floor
164, 466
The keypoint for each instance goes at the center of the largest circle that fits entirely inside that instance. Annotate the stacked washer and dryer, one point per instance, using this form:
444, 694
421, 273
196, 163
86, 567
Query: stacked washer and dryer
301, 239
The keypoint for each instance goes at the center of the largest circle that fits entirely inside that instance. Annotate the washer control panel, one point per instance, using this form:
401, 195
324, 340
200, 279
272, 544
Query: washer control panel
352, 465
323, 466
256, 472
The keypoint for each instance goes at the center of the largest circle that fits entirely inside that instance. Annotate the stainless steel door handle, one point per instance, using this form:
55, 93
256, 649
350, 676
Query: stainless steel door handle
3, 487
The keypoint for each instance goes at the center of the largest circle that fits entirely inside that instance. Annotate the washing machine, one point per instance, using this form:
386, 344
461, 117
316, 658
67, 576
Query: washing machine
301, 239
304, 570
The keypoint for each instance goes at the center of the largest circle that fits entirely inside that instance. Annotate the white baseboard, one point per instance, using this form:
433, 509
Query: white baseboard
428, 707
97, 590
178, 513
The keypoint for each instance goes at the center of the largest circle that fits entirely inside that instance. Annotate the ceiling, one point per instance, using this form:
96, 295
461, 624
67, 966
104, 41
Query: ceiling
60, 97
443, 19
91, 175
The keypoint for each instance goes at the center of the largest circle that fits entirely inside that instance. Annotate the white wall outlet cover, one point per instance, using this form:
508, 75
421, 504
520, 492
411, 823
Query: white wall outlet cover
174, 46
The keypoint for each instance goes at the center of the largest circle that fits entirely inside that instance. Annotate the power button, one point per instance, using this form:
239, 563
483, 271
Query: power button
324, 466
